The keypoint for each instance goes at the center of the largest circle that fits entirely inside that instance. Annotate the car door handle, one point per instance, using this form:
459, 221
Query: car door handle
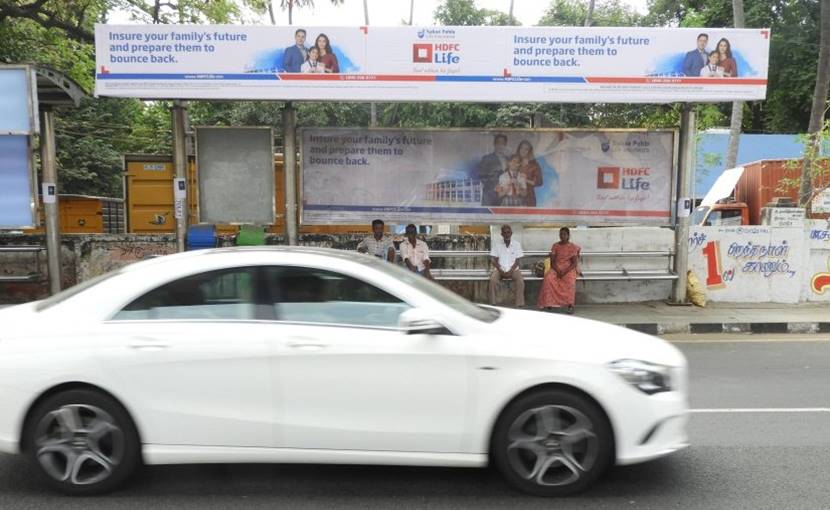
307, 346
147, 344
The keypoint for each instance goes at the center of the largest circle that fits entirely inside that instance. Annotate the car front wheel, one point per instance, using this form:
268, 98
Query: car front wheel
552, 443
82, 442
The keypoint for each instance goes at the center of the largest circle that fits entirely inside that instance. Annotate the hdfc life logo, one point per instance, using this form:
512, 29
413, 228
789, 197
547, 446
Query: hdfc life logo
614, 177
436, 53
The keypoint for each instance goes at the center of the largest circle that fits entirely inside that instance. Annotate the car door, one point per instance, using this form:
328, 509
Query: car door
190, 355
349, 379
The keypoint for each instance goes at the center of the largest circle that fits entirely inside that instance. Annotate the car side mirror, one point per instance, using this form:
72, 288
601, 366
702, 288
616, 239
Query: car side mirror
419, 322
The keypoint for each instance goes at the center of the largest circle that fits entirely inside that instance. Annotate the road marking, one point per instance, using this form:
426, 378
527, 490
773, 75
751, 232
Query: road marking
762, 410
730, 338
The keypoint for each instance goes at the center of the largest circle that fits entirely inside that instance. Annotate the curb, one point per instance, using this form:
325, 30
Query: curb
655, 328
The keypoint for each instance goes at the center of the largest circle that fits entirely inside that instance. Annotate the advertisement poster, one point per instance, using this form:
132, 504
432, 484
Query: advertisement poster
486, 176
475, 64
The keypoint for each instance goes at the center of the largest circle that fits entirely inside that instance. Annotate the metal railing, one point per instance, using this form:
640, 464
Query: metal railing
483, 273
31, 277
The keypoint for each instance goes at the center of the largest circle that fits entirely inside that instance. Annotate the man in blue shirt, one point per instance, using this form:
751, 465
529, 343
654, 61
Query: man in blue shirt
696, 59
294, 56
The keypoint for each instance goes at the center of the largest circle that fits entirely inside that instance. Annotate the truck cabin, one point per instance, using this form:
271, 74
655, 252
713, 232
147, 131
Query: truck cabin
722, 213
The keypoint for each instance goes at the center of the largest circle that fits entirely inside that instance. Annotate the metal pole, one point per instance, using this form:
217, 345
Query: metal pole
50, 198
180, 165
684, 180
289, 133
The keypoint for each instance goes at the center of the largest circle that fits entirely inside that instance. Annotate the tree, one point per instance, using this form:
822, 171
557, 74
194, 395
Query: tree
818, 108
291, 4
92, 138
574, 13
589, 19
793, 53
737, 106
465, 13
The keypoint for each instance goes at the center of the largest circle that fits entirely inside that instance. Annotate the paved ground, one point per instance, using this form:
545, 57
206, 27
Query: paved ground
759, 436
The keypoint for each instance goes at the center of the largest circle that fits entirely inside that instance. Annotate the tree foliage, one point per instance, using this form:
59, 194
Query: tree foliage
607, 13
465, 13
91, 139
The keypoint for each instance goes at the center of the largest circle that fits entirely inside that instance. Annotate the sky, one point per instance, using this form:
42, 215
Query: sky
392, 12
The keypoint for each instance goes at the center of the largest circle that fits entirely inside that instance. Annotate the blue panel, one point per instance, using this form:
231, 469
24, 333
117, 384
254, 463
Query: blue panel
15, 184
14, 100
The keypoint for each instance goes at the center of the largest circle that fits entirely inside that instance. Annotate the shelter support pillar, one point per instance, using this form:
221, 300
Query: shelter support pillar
685, 176
289, 133
50, 197
180, 166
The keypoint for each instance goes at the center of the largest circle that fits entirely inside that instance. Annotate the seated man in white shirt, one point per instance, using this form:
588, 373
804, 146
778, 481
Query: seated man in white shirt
378, 244
504, 256
415, 253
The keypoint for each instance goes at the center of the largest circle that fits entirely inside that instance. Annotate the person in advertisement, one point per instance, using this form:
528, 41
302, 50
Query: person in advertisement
490, 169
294, 56
415, 253
378, 244
531, 171
730, 67
696, 59
313, 64
559, 285
713, 68
505, 255
512, 189
327, 56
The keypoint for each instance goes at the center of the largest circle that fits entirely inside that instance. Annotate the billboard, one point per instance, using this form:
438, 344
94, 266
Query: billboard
475, 64
486, 176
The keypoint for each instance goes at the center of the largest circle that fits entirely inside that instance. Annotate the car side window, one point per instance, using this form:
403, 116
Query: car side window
226, 294
310, 295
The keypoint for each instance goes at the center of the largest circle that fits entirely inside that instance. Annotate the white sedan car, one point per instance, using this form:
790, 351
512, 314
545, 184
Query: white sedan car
305, 355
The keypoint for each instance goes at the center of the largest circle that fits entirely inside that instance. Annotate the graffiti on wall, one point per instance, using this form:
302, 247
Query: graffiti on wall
752, 264
820, 283
768, 260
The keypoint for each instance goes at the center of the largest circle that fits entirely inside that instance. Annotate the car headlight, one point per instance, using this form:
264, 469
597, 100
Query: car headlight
650, 378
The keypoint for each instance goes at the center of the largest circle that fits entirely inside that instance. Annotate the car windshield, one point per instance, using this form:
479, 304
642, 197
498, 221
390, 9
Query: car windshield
63, 295
433, 290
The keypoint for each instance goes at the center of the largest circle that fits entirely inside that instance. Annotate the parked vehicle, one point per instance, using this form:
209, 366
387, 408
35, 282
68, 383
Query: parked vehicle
309, 355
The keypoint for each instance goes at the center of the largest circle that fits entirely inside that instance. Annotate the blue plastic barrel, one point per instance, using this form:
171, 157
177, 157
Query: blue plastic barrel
200, 237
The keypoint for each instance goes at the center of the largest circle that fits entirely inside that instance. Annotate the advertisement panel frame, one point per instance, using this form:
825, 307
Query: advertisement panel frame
673, 178
198, 192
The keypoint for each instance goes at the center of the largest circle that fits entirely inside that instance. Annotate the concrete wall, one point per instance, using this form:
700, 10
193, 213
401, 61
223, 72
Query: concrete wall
86, 256
83, 257
762, 264
752, 264
817, 277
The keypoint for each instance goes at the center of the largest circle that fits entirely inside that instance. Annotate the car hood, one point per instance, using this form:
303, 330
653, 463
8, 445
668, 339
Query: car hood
565, 337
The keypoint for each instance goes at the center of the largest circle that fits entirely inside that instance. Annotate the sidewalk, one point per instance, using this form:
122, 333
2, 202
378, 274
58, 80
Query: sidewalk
658, 318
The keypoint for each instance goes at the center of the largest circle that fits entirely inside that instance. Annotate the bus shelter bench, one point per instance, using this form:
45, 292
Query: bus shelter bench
483, 273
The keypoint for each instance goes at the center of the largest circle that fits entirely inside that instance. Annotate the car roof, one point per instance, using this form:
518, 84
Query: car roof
212, 252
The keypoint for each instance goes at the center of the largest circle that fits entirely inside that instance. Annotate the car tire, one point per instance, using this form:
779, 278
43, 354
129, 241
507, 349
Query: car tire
82, 442
552, 443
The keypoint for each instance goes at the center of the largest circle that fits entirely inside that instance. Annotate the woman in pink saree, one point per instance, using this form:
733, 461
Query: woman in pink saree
559, 286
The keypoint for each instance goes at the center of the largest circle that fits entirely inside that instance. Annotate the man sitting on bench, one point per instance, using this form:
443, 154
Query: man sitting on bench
504, 256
